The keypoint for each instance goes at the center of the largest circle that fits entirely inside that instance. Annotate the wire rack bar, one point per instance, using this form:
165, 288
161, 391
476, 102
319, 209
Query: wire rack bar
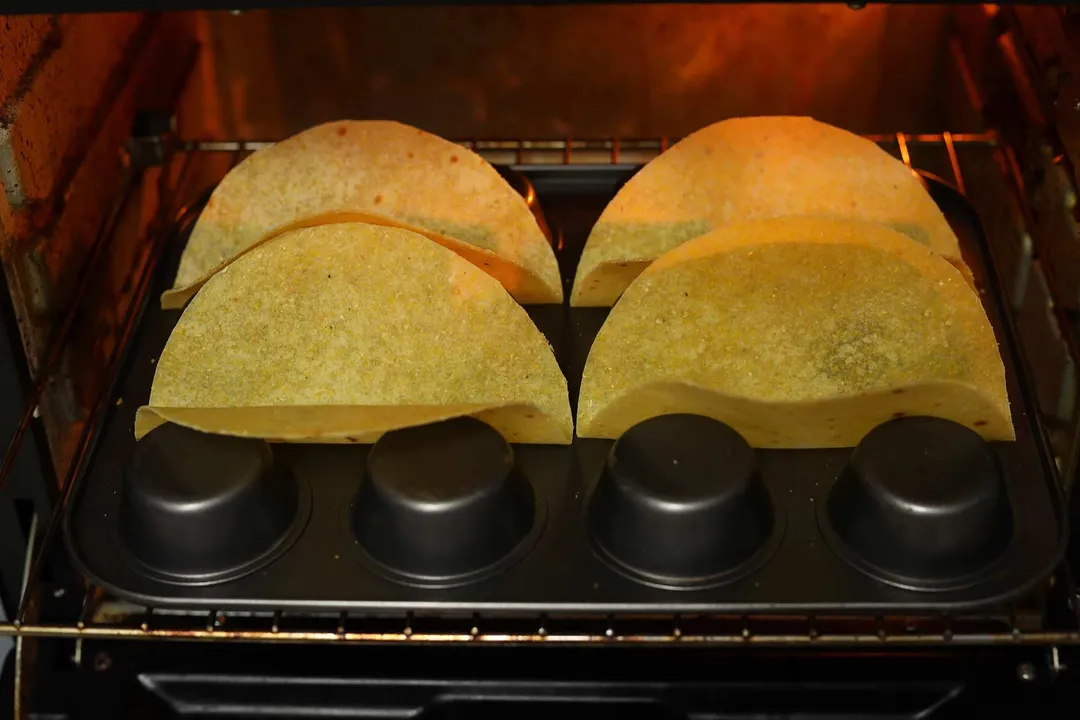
950, 148
611, 151
905, 154
1061, 639
97, 616
147, 624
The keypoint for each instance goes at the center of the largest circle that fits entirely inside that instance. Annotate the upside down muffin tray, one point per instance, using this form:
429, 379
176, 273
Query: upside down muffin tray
678, 515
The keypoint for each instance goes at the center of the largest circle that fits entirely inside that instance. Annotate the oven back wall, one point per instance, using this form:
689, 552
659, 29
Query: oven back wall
553, 72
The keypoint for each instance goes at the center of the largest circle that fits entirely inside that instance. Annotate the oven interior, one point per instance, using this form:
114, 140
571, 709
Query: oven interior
116, 126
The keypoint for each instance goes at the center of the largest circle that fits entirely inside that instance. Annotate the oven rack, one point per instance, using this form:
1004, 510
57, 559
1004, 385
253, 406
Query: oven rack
616, 151
183, 170
103, 618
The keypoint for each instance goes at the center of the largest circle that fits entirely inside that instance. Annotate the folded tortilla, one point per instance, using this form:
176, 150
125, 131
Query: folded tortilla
798, 332
377, 172
748, 168
341, 332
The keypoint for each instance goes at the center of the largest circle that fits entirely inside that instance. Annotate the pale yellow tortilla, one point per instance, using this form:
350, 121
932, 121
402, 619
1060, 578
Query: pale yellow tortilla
747, 168
798, 332
340, 332
377, 172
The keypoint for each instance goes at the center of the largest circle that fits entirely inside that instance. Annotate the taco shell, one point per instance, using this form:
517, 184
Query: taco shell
747, 168
798, 332
338, 333
377, 172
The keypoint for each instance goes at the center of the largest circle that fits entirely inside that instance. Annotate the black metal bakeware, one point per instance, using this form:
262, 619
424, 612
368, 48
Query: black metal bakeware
680, 503
478, 518
922, 502
450, 520
197, 509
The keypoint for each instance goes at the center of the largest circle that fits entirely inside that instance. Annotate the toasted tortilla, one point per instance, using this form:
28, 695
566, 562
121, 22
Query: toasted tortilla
377, 172
748, 168
338, 333
798, 332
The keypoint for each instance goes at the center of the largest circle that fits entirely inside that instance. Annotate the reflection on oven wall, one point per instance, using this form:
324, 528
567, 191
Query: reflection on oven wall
596, 71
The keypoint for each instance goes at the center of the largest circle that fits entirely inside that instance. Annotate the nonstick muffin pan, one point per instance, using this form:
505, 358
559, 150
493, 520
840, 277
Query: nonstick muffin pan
196, 509
678, 515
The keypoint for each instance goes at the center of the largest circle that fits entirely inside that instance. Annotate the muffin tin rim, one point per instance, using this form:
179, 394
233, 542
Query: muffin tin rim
758, 560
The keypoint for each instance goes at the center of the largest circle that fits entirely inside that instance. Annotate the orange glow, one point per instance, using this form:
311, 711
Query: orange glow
567, 71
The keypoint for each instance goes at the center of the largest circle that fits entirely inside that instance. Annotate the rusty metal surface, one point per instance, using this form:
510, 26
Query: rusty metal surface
66, 282
568, 71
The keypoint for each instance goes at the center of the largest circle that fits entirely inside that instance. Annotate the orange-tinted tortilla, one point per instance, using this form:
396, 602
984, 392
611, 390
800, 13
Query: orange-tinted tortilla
747, 168
376, 172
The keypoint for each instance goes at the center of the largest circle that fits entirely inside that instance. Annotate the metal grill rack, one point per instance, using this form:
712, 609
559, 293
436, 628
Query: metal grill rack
977, 164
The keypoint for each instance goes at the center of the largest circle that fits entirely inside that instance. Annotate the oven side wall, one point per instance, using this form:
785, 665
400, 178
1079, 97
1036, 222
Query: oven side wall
70, 86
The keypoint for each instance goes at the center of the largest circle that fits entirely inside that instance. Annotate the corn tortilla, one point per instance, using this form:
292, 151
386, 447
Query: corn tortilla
338, 333
798, 332
747, 168
376, 172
